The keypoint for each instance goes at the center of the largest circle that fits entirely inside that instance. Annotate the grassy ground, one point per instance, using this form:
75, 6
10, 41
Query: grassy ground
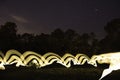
60, 73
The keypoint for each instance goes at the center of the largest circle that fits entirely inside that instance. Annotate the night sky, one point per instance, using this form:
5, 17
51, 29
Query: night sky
44, 16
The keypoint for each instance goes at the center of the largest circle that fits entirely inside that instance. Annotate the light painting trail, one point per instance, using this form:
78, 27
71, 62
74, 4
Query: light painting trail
113, 59
13, 56
29, 58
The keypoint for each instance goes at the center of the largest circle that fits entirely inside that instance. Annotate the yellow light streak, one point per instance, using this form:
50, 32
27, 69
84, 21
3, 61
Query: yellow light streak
13, 56
113, 59
29, 57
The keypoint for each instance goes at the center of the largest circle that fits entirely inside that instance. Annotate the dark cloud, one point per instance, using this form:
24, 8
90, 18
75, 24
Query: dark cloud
19, 19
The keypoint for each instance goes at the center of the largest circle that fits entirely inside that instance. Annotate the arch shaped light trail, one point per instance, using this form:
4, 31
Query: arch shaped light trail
29, 57
13, 56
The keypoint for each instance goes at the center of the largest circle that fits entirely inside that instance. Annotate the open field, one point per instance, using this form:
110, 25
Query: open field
60, 73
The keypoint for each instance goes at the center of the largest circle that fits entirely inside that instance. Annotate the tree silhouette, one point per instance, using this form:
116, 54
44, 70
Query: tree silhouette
94, 44
8, 35
111, 42
40, 43
71, 41
60, 41
113, 27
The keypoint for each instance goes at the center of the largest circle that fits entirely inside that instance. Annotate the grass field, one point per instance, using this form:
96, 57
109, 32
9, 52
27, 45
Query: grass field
51, 73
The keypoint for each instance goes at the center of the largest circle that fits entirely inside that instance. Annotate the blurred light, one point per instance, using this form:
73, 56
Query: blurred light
29, 57
113, 59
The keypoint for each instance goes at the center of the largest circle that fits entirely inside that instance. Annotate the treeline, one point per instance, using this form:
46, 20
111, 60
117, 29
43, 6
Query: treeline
60, 41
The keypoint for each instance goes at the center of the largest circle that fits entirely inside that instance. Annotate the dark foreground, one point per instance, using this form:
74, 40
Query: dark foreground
60, 73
